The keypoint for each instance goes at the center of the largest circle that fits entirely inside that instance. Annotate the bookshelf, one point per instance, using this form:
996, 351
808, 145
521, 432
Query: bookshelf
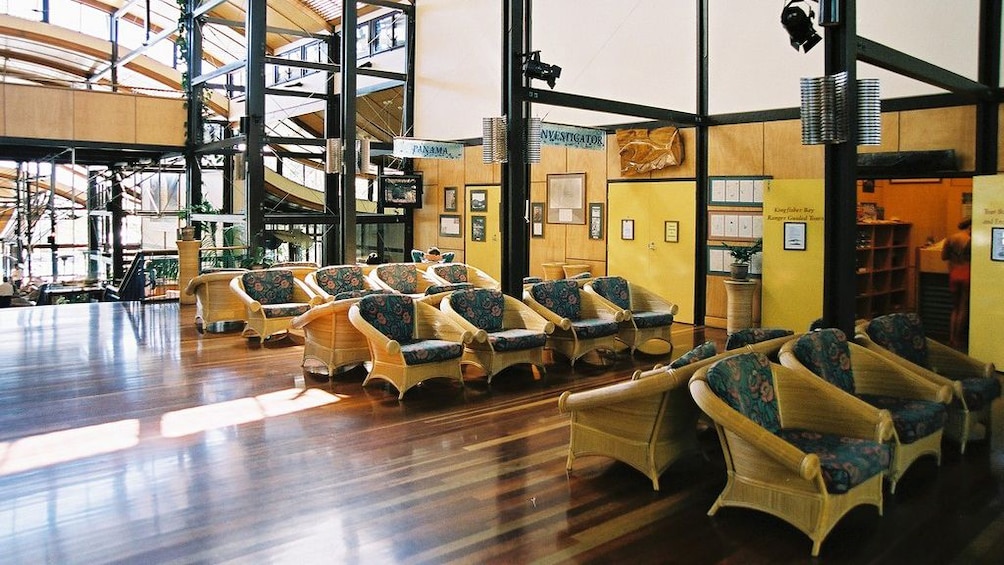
882, 266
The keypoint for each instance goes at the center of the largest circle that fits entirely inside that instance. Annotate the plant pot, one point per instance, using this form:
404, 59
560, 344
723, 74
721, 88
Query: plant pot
187, 233
740, 271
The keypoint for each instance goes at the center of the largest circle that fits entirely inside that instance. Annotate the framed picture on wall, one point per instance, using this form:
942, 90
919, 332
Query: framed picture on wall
536, 219
997, 244
566, 198
627, 229
450, 225
450, 199
479, 201
479, 226
672, 231
794, 236
596, 220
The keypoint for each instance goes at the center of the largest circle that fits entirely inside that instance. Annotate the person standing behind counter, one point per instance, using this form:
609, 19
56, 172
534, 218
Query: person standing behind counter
957, 251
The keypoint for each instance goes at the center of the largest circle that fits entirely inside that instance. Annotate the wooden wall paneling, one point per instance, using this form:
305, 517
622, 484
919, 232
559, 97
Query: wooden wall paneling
160, 121
430, 170
578, 245
552, 160
476, 171
941, 128
104, 116
1000, 138
44, 113
3, 109
688, 168
425, 219
890, 135
735, 150
784, 155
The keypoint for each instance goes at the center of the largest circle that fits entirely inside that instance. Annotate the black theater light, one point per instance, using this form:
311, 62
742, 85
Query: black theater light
535, 68
796, 17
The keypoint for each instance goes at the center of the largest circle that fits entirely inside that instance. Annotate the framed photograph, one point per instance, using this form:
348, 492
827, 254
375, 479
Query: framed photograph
596, 220
450, 225
536, 219
627, 229
794, 236
479, 226
479, 201
566, 198
997, 244
671, 229
450, 199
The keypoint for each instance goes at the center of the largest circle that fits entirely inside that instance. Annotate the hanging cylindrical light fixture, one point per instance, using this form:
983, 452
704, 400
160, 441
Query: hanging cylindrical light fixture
493, 140
333, 156
533, 141
869, 112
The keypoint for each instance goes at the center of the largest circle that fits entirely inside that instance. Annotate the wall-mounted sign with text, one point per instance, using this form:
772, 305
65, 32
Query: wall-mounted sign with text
570, 136
424, 149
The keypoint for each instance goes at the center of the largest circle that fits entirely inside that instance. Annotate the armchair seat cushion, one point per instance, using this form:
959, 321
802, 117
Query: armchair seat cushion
980, 392
913, 419
430, 351
651, 319
516, 339
845, 462
288, 310
586, 329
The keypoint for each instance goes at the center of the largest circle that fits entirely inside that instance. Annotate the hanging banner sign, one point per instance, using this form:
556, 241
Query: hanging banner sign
424, 149
571, 136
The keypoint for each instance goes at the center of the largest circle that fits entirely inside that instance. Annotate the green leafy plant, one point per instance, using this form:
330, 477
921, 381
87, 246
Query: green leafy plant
744, 253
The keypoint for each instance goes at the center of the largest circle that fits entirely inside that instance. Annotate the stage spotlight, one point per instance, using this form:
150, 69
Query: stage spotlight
534, 68
798, 23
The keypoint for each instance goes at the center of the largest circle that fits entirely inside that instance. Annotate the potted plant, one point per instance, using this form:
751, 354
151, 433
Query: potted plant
741, 257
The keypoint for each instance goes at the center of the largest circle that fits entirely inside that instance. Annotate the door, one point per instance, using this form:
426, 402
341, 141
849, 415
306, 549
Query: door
483, 238
652, 238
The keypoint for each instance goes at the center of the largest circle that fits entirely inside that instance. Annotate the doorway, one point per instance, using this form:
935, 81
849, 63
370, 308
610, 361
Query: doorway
483, 240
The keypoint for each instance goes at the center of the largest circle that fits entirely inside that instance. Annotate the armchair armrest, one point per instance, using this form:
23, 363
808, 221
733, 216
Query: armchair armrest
874, 374
593, 307
326, 309
430, 323
626, 391
624, 312
238, 289
372, 335
956, 365
516, 314
556, 320
644, 300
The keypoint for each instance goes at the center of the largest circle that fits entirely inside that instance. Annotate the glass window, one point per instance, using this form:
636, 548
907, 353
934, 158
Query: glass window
400, 29
363, 41
383, 30
27, 9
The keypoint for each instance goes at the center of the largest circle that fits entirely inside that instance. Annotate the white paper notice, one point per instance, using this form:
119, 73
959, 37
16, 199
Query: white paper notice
716, 259
758, 190
717, 225
732, 190
757, 226
732, 225
745, 226
718, 190
746, 190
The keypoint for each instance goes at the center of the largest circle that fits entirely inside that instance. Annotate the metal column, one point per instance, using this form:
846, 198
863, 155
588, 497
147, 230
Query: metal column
516, 172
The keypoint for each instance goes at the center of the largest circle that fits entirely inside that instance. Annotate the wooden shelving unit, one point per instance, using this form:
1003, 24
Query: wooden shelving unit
882, 268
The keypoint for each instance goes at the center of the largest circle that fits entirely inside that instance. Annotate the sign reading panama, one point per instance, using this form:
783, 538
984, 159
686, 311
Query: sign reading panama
571, 136
425, 149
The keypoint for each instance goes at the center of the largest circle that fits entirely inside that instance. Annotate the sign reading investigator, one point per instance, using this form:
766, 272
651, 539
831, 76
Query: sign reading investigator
424, 149
571, 136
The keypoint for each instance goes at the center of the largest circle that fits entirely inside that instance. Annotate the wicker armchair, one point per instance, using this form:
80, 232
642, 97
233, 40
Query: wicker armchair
794, 447
214, 301
582, 323
338, 282
409, 341
458, 273
917, 406
647, 315
900, 338
405, 278
271, 298
300, 269
506, 331
329, 336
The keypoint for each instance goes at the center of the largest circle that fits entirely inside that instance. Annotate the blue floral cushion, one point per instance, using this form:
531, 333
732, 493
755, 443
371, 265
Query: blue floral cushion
480, 306
559, 296
844, 461
342, 278
913, 419
454, 272
614, 289
393, 315
703, 351
825, 353
417, 255
580, 276
288, 310
903, 334
358, 293
746, 383
437, 288
651, 319
402, 277
980, 392
430, 351
750, 336
586, 329
269, 286
516, 339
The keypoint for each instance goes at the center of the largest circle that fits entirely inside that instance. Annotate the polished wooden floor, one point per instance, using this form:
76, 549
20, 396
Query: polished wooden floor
126, 437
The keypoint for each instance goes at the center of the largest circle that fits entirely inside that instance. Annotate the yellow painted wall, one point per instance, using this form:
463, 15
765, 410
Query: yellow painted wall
792, 283
986, 306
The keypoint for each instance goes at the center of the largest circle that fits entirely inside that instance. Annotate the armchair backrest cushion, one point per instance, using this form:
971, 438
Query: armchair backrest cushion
746, 383
749, 336
903, 334
340, 278
453, 272
417, 255
559, 296
270, 286
448, 256
826, 353
482, 307
614, 289
402, 277
704, 351
359, 293
437, 288
393, 315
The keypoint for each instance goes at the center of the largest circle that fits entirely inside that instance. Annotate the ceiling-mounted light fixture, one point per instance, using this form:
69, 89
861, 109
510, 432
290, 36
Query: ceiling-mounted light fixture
796, 17
535, 68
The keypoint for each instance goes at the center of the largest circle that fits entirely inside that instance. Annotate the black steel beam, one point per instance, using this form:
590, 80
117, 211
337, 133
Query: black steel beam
279, 61
987, 117
268, 29
701, 166
292, 93
347, 181
390, 75
887, 58
254, 119
225, 69
331, 244
609, 106
516, 38
407, 8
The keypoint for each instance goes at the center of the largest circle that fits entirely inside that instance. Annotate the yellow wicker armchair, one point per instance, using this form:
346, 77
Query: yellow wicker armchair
300, 269
582, 323
794, 449
900, 338
271, 299
647, 315
916, 405
409, 340
506, 331
454, 273
214, 301
405, 278
329, 336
